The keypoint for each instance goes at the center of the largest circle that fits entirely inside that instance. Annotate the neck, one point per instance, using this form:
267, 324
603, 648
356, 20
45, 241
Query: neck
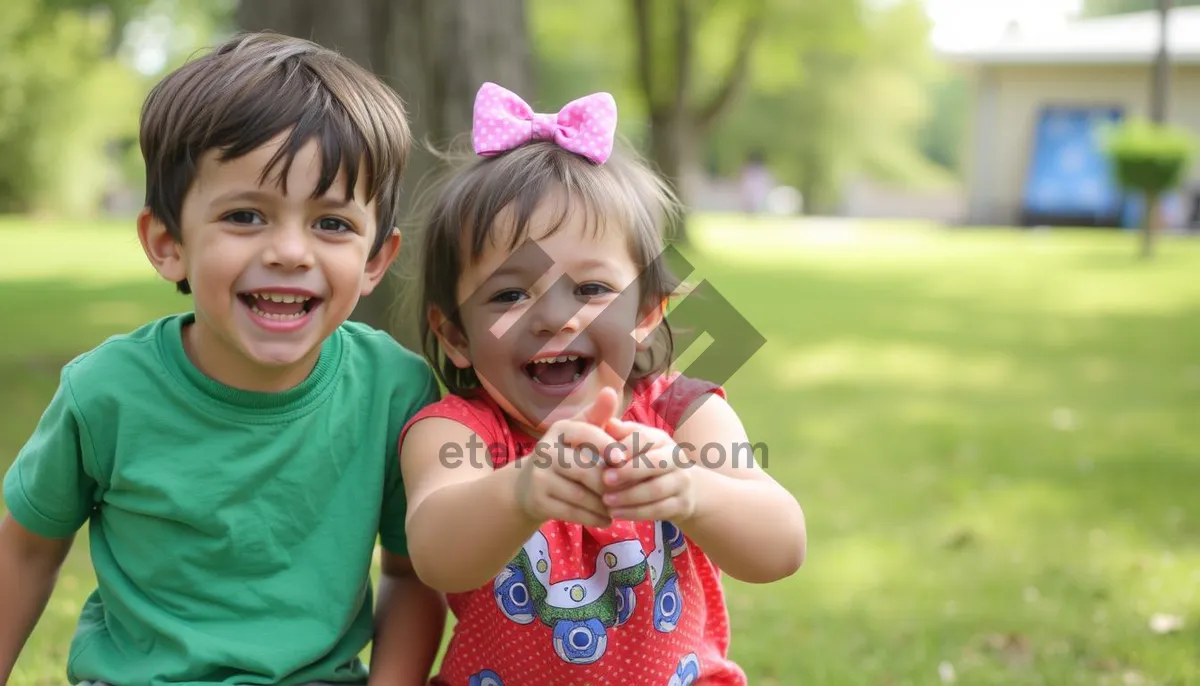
216, 361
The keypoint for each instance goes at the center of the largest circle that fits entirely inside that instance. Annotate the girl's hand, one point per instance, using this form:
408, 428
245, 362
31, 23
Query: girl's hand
564, 482
653, 484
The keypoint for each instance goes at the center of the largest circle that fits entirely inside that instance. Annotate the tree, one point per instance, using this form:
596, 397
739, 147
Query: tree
435, 54
679, 114
1096, 8
1151, 159
855, 105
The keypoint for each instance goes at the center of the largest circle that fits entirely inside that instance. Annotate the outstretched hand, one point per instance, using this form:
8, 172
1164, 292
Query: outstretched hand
651, 479
567, 482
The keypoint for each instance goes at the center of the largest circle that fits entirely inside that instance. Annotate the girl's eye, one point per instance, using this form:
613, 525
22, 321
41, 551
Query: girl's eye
591, 290
333, 225
245, 217
508, 297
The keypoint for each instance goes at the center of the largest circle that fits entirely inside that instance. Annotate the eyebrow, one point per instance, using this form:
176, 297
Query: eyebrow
332, 201
516, 268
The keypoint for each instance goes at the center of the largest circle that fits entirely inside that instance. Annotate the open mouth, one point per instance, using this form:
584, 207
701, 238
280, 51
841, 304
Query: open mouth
563, 370
281, 307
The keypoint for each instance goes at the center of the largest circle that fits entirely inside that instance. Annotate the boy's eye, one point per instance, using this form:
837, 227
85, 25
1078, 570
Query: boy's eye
244, 217
333, 225
591, 290
509, 296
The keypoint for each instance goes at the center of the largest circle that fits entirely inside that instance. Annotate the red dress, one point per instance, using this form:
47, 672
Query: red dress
631, 604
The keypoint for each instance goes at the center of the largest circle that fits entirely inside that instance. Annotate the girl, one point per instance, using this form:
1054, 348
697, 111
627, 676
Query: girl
565, 494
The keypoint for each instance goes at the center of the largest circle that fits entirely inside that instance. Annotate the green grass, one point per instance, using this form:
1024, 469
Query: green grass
993, 434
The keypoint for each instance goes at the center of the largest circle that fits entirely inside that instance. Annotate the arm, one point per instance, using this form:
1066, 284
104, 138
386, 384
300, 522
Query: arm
29, 566
451, 549
749, 525
410, 619
447, 480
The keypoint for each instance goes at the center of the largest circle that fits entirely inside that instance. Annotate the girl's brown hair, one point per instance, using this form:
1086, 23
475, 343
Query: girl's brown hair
505, 190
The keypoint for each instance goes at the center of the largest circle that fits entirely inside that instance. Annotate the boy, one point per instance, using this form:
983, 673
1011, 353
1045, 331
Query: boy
237, 462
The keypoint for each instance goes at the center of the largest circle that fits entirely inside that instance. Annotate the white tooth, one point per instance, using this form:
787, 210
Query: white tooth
576, 376
287, 298
572, 358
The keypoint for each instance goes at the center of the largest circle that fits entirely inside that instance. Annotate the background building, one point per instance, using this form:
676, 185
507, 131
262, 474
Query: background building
1040, 97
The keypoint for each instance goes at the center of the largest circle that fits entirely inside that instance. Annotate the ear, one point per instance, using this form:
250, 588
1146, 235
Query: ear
163, 251
378, 266
452, 340
651, 318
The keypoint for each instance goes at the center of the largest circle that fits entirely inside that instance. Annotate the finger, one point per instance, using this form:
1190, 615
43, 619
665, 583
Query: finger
602, 409
643, 493
639, 468
587, 436
578, 496
619, 428
570, 512
586, 470
670, 508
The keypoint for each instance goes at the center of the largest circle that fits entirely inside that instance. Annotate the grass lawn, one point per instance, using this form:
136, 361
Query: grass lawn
994, 435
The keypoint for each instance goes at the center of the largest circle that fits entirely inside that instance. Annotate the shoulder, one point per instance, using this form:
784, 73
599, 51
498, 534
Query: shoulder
119, 365
477, 415
376, 358
371, 349
669, 399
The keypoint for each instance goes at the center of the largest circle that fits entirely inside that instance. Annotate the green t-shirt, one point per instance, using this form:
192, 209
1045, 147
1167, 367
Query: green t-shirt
231, 532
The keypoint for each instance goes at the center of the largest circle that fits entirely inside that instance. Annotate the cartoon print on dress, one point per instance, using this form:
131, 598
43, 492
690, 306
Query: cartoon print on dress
486, 678
581, 610
686, 672
668, 603
674, 538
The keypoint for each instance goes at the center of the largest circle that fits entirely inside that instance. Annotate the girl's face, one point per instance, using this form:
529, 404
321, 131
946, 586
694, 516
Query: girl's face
548, 325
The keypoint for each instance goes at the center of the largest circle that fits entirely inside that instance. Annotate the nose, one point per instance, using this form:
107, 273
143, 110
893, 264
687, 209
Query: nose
289, 247
557, 311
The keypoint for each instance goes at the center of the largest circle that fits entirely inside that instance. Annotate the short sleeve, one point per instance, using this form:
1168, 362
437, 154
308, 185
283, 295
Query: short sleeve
392, 535
48, 489
671, 397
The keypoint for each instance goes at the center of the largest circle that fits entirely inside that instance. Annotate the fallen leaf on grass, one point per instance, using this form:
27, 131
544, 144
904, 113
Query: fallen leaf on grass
959, 539
1063, 419
1015, 649
1104, 664
946, 673
1162, 623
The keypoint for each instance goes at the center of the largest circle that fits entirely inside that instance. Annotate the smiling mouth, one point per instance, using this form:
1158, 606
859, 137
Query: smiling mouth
562, 370
279, 306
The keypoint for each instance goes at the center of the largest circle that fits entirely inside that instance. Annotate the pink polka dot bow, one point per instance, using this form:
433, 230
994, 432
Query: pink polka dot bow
504, 121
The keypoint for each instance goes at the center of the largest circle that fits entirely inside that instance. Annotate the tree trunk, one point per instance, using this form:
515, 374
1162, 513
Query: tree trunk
435, 54
1160, 83
1150, 218
665, 65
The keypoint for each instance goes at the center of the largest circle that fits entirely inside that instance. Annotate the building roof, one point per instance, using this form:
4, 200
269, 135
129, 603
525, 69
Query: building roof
1118, 39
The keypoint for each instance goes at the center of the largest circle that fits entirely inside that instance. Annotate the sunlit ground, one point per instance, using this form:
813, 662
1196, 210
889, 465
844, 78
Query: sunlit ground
993, 434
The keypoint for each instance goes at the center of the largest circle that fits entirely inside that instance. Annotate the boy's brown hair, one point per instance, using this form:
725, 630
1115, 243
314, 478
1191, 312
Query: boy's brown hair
254, 87
489, 200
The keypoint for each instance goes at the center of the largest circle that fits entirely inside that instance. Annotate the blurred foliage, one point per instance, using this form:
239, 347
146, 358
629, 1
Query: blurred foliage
1149, 158
1094, 8
834, 90
857, 107
73, 89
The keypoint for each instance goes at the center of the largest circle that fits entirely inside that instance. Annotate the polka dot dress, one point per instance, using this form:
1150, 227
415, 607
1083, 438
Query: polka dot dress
633, 603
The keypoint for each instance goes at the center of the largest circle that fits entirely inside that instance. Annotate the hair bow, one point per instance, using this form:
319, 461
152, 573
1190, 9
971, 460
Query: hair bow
503, 121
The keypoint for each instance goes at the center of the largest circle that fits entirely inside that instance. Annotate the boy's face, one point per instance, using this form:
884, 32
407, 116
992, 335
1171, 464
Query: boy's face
272, 275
